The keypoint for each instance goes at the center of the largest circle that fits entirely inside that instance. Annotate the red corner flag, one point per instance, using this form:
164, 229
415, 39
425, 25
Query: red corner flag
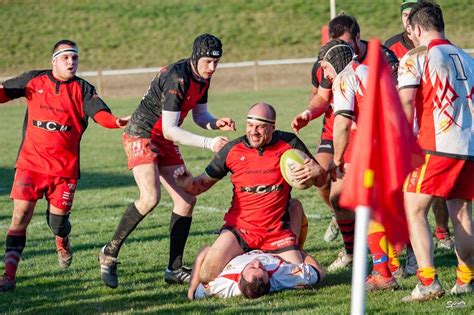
387, 152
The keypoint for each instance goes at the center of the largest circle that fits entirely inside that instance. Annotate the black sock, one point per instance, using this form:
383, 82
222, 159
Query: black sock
179, 231
130, 219
14, 246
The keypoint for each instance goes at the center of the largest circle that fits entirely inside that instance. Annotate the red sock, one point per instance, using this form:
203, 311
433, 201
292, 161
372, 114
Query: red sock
441, 233
347, 230
378, 247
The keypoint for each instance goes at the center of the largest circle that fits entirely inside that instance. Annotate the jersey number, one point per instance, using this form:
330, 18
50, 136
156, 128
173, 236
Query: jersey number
460, 74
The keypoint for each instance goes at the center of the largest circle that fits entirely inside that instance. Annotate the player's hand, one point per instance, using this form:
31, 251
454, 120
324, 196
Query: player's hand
309, 171
354, 126
191, 294
183, 177
225, 124
122, 121
300, 121
218, 142
336, 171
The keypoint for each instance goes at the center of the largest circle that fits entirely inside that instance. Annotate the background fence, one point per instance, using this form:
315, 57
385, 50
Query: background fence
246, 75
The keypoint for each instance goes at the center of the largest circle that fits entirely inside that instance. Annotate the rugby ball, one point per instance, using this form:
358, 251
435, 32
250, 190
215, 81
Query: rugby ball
290, 159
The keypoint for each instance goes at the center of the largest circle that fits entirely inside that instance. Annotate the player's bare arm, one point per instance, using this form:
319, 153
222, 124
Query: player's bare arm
310, 260
407, 98
317, 106
342, 129
190, 184
194, 282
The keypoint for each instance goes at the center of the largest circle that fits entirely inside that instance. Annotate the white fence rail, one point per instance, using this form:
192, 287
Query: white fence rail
118, 72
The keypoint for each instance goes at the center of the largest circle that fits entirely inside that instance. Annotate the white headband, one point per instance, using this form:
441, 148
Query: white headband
261, 118
68, 50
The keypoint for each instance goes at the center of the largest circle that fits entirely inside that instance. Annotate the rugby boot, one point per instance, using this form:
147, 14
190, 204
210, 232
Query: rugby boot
63, 247
7, 284
411, 265
108, 269
446, 243
462, 288
178, 276
376, 282
425, 293
399, 273
332, 231
342, 261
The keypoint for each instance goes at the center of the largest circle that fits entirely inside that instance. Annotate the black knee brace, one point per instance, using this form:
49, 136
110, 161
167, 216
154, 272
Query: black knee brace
59, 224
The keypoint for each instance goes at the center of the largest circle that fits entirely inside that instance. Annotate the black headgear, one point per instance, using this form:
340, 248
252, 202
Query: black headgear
206, 45
338, 53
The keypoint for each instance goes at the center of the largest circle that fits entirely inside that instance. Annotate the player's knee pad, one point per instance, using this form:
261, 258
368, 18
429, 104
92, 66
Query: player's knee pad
59, 224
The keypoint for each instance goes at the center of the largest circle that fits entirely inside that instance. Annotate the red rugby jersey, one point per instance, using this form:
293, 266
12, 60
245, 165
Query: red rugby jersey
56, 117
400, 44
261, 195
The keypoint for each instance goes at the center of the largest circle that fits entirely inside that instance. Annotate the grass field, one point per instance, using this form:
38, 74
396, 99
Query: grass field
107, 187
120, 34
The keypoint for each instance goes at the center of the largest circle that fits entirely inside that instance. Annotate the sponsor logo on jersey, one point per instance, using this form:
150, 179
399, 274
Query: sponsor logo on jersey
51, 126
40, 91
260, 189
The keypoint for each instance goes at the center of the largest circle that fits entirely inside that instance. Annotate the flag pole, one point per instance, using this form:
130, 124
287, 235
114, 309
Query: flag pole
359, 266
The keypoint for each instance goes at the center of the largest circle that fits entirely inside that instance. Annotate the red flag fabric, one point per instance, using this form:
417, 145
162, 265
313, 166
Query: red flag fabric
387, 152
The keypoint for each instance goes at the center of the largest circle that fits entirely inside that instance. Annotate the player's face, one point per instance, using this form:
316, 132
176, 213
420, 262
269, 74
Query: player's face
328, 70
255, 270
414, 33
259, 133
347, 37
206, 66
405, 15
65, 65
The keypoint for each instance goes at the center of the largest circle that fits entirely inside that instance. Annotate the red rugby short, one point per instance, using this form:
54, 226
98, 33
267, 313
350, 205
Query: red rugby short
31, 186
275, 241
146, 151
443, 177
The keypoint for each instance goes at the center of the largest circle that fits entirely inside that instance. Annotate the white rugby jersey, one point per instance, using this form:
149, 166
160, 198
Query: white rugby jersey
444, 76
348, 89
282, 276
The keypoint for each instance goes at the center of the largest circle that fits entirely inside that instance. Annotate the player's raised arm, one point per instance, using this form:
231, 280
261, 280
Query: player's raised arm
317, 106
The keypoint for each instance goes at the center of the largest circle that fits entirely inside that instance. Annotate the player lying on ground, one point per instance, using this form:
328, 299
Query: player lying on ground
254, 274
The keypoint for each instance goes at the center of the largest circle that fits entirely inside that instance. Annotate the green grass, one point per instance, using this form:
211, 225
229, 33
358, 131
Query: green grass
143, 33
107, 187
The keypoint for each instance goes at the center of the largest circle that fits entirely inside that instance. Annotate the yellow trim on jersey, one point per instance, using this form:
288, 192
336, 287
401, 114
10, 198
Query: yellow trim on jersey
422, 173
407, 181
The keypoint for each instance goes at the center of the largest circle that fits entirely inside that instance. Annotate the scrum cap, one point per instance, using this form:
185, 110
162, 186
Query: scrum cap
206, 45
338, 53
